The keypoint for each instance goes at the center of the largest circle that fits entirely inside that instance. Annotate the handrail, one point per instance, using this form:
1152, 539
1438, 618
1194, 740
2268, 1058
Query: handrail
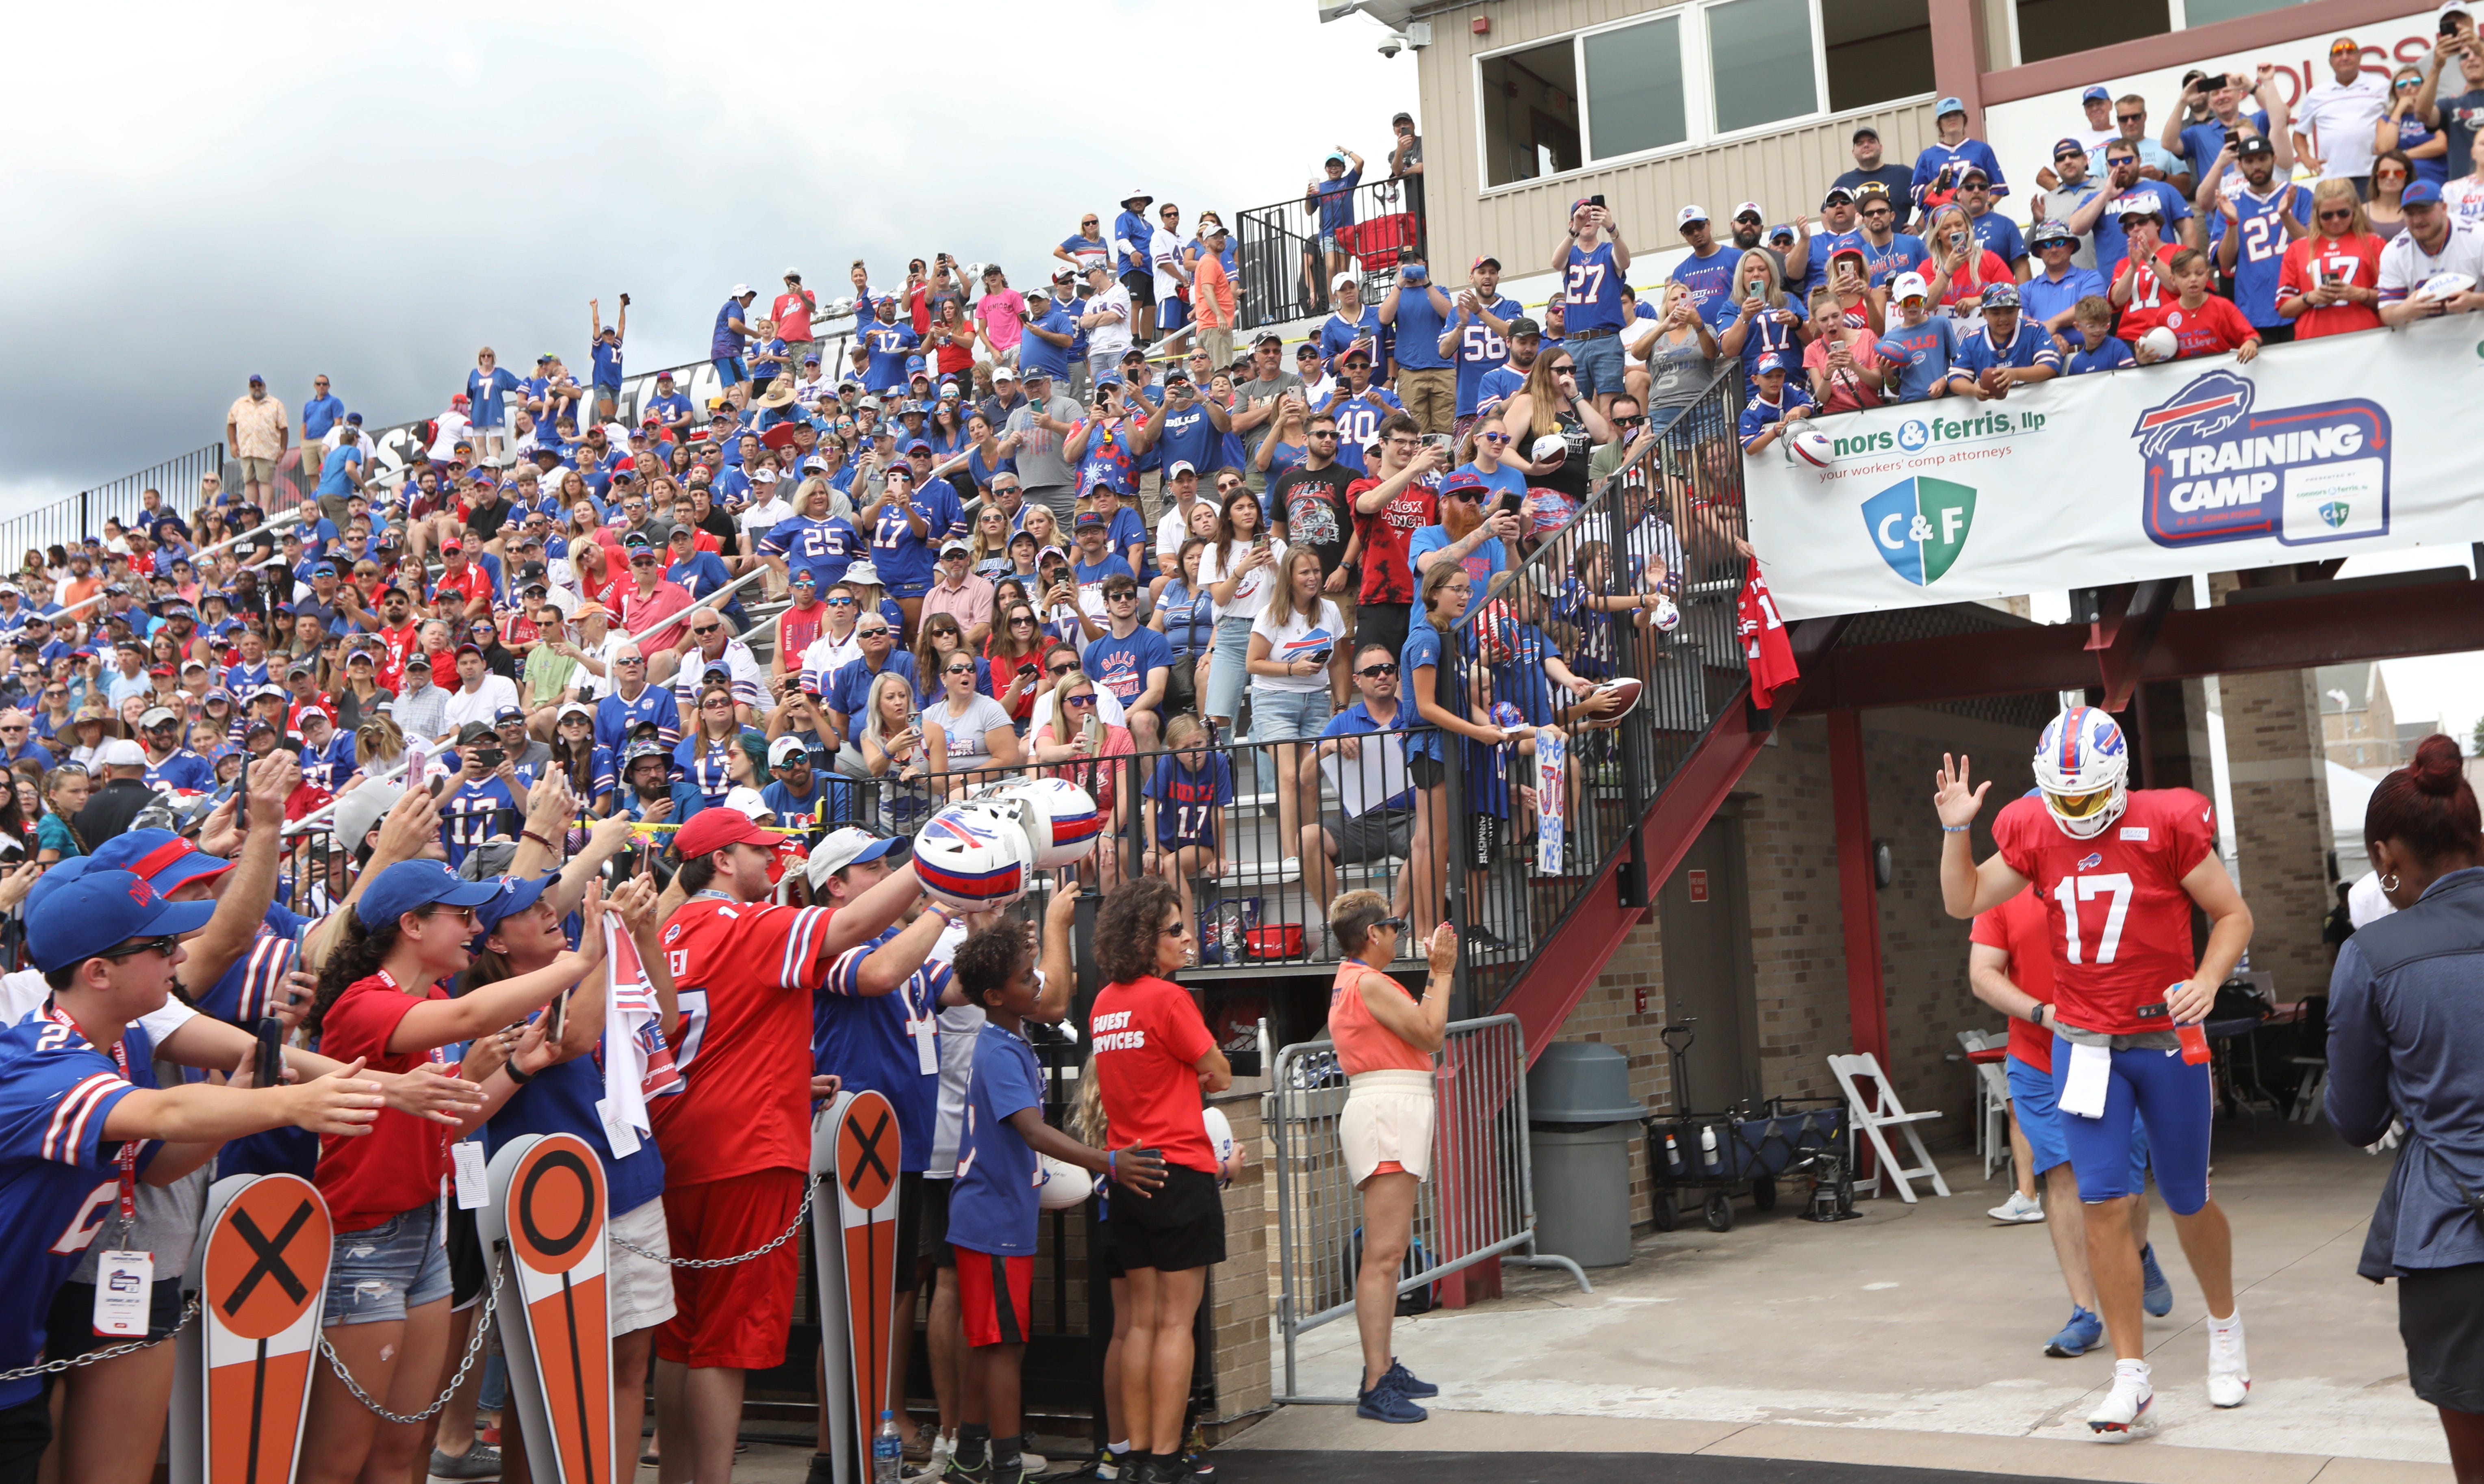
1284, 250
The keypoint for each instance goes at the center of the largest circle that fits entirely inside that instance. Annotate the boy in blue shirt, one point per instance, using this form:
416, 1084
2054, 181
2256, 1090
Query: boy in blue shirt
1764, 421
2008, 350
1916, 352
2093, 346
993, 1203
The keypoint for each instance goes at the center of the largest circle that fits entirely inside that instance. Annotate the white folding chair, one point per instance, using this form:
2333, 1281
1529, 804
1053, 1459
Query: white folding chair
2314, 1086
1880, 1111
1991, 1100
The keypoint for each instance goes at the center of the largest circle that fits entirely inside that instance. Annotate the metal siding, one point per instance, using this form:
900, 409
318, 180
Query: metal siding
1785, 173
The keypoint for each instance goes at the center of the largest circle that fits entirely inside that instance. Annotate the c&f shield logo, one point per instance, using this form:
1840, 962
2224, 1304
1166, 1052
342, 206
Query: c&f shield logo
2218, 470
1919, 525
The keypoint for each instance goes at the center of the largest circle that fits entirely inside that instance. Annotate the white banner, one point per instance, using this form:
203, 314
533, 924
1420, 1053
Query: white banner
2332, 447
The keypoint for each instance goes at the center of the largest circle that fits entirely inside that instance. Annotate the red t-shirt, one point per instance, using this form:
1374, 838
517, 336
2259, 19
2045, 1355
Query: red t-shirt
2115, 909
2215, 325
377, 1176
1147, 1038
2149, 290
792, 315
2351, 260
2018, 928
1387, 574
800, 628
745, 973
469, 584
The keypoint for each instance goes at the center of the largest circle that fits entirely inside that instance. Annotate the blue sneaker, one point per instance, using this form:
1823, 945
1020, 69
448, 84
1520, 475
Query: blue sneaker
1407, 1381
2157, 1295
2082, 1334
1384, 1403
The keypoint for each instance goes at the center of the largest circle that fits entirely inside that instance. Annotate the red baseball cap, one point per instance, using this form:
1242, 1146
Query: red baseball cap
712, 830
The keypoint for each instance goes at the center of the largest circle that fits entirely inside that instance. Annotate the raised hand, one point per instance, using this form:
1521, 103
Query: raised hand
1953, 798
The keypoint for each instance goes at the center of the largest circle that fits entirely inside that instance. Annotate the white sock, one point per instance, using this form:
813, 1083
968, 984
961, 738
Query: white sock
2138, 1368
1122, 1447
2232, 1321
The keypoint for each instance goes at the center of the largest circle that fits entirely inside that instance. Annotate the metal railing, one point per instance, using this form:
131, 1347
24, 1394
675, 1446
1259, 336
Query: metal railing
1288, 250
1642, 582
68, 521
1478, 1202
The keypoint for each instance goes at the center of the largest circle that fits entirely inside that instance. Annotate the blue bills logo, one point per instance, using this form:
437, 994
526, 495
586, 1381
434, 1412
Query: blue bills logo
2094, 859
2220, 471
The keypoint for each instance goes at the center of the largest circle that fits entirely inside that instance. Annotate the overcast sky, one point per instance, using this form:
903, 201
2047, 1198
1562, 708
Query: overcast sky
374, 191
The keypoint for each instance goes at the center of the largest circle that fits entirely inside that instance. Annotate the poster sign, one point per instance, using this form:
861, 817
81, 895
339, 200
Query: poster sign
546, 1221
243, 1368
2319, 450
1552, 798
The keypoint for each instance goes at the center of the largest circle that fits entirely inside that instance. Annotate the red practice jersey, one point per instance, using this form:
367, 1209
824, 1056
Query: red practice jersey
745, 973
2120, 921
2020, 928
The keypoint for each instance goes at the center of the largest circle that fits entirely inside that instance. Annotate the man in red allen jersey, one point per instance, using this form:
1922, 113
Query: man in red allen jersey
2118, 872
737, 1134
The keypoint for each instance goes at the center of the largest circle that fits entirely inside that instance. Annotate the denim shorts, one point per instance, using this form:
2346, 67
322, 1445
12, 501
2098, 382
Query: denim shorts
1289, 715
1226, 676
1600, 363
381, 1272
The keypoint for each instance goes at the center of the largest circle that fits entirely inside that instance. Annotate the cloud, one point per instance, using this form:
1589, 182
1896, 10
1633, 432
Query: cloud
375, 192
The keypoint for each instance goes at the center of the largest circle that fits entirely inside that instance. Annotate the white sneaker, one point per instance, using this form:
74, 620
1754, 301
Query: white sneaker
943, 1449
1290, 869
2126, 1409
2228, 1372
2017, 1209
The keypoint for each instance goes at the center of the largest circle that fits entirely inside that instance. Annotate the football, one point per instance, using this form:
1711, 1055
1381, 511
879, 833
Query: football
1060, 1185
2446, 285
1812, 447
2160, 344
1220, 1137
1548, 452
1626, 689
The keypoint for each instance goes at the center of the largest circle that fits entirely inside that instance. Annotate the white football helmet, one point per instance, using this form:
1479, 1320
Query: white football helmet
2082, 769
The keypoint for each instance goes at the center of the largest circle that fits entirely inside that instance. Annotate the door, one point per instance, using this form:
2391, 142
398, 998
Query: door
1707, 930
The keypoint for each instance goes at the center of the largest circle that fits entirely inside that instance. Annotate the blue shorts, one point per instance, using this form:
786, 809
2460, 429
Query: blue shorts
1600, 364
2172, 1095
899, 588
2039, 1120
381, 1272
729, 369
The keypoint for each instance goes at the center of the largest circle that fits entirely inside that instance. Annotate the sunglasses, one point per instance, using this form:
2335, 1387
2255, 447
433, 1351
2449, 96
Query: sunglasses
1393, 924
2337, 216
1374, 672
1058, 670
837, 602
1565, 370
881, 632
167, 945
1470, 497
1494, 437
715, 701
465, 915
959, 669
2130, 117
1323, 432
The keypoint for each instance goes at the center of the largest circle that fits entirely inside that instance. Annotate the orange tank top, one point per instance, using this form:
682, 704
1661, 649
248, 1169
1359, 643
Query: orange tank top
1362, 1044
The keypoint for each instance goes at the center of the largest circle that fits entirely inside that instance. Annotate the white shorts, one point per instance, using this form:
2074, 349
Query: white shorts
1388, 1119
640, 1289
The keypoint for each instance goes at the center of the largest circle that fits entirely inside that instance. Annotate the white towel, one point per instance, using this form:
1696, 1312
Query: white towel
637, 1063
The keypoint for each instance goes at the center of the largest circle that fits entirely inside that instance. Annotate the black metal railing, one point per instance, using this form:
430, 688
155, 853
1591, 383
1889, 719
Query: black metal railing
1289, 251
1642, 582
68, 520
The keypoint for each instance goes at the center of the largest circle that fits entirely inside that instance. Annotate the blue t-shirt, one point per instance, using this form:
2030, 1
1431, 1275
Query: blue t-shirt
333, 479
2030, 346
561, 1099
1090, 580
848, 692
1189, 434
1419, 324
703, 573
2042, 297
1122, 665
606, 356
1482, 564
1188, 798
2203, 142
1759, 412
1190, 619
1336, 333
1591, 290
888, 344
1356, 720
2000, 236
1358, 423
1824, 245
2113, 354
993, 1205
1904, 254
1481, 352
672, 409
2260, 255
1921, 353
1502, 479
726, 343
1036, 353
1711, 282
864, 1039
319, 415
2113, 245
830, 798
1337, 201
1422, 647
822, 548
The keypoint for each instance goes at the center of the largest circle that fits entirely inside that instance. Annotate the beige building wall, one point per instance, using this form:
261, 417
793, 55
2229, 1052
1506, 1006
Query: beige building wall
1786, 170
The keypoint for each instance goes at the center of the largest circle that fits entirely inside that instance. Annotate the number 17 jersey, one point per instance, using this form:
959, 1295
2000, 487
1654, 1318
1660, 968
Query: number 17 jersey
2120, 920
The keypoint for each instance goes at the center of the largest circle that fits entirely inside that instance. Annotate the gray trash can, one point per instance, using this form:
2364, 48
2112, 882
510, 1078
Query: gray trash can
1582, 1126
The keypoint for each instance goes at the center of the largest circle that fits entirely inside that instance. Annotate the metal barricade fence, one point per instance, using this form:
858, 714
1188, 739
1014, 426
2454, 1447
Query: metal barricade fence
1478, 1202
1286, 252
65, 522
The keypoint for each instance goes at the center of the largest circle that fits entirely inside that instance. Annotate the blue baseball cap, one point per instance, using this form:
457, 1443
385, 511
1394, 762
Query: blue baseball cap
98, 910
1773, 361
2096, 92
1468, 483
167, 861
510, 895
2419, 193
1948, 106
411, 885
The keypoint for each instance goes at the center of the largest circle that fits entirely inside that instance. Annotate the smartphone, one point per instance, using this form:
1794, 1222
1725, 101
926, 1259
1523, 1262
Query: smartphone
2449, 24
2331, 280
556, 1015
2212, 84
1509, 503
270, 1069
1595, 201
241, 798
2233, 137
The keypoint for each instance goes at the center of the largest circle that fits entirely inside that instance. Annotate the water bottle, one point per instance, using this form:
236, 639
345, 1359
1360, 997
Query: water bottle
2193, 1038
1708, 1146
1672, 1154
887, 1450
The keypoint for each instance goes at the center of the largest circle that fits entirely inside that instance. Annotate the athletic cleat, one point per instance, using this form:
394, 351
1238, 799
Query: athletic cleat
2082, 1334
2127, 1407
2017, 1209
482, 1462
1107, 1466
2157, 1294
1384, 1403
1407, 1381
2228, 1372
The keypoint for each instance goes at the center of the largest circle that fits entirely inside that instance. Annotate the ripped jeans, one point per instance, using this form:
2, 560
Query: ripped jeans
380, 1271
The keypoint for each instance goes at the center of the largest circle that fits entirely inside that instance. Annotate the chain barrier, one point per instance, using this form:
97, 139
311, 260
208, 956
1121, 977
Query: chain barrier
782, 1238
474, 1348
189, 1311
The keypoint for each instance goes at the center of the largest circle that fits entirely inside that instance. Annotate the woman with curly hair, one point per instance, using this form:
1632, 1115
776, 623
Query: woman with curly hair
1154, 1057
380, 1004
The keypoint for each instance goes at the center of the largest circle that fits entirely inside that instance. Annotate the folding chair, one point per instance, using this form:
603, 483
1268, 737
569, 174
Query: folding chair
2314, 1086
1880, 1111
1991, 1100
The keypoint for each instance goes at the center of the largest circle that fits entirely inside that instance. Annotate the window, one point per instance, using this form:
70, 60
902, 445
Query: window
1634, 88
1759, 53
1691, 74
2056, 28
1530, 113
2205, 12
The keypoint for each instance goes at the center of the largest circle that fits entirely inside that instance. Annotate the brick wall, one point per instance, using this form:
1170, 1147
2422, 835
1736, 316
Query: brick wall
1239, 1287
2280, 791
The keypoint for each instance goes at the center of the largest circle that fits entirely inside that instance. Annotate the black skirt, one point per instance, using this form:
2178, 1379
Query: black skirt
2441, 1317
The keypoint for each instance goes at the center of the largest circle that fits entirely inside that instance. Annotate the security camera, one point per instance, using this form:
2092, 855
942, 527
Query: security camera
1394, 45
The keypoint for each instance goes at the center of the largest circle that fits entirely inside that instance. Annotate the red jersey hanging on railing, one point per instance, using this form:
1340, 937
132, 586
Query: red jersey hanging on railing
1764, 644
